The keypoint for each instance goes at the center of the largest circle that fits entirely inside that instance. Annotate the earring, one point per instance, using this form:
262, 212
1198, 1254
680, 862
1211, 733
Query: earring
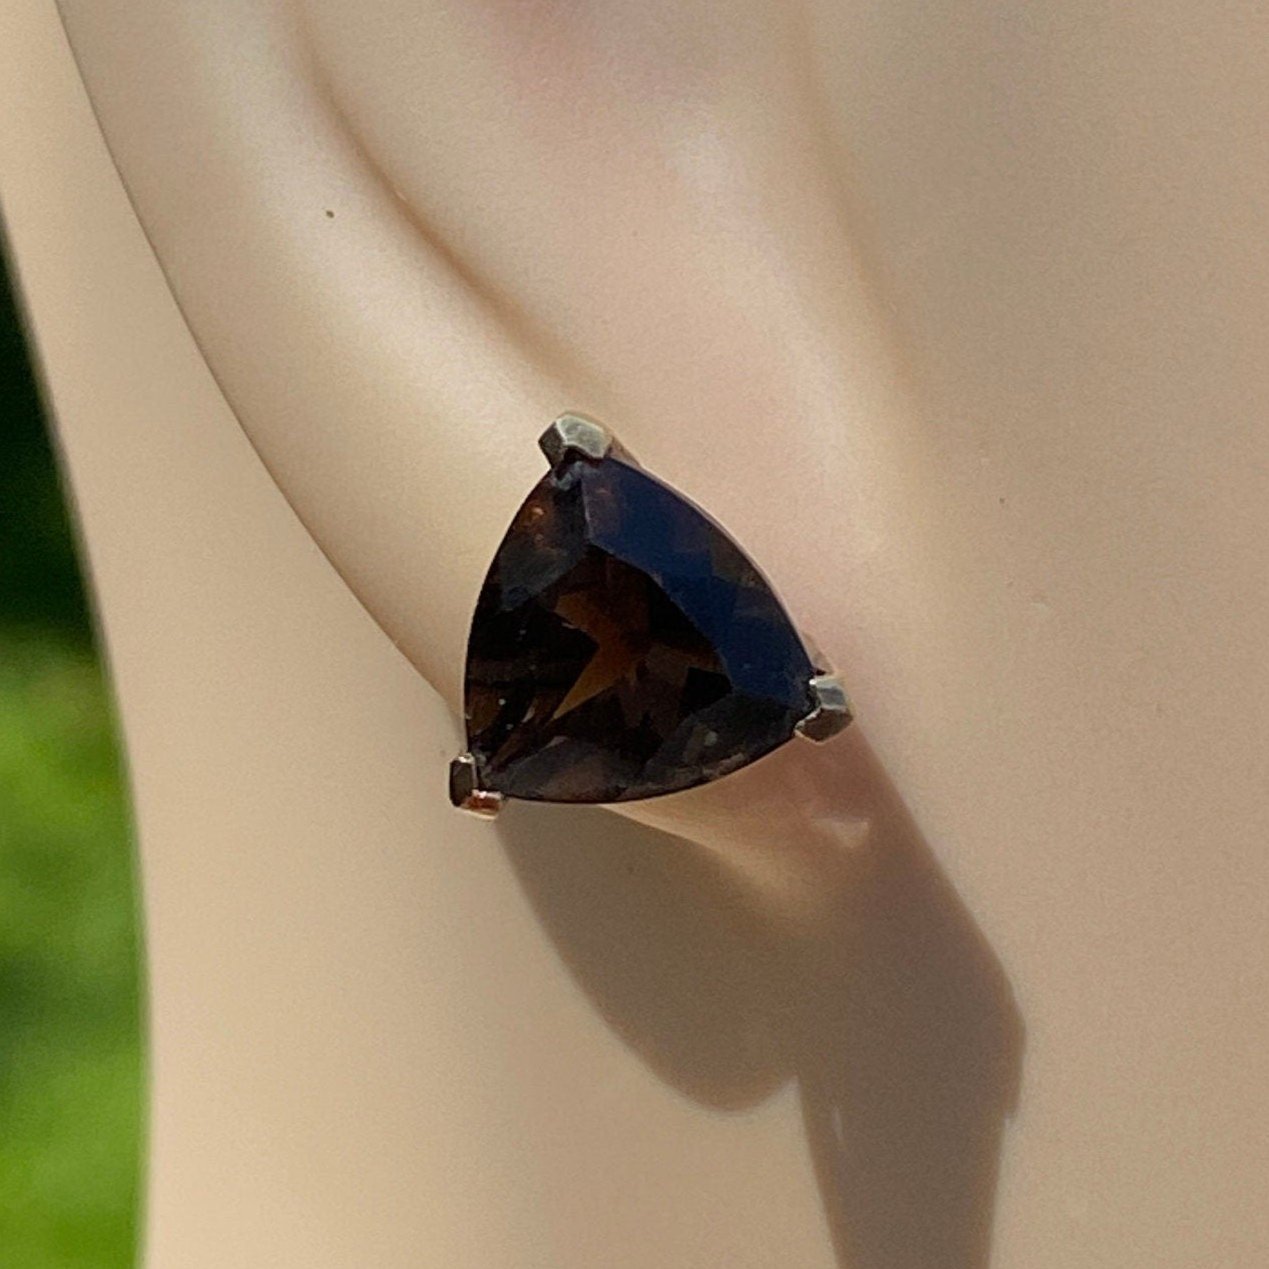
623, 646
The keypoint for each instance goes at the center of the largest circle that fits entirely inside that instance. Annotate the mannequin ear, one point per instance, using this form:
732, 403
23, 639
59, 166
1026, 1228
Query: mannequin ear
401, 258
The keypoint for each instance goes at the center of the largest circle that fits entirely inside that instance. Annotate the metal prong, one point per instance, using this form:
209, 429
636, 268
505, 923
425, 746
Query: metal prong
832, 712
576, 435
466, 794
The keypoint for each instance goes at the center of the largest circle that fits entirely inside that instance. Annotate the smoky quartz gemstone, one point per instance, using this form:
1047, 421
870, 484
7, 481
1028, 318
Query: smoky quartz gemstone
623, 646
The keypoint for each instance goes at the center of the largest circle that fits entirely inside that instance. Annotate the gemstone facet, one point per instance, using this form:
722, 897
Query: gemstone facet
623, 646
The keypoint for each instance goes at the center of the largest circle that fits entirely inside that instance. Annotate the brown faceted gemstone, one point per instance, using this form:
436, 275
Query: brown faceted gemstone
623, 646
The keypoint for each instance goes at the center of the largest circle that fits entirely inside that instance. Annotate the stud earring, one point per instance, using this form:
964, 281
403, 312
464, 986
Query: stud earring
623, 646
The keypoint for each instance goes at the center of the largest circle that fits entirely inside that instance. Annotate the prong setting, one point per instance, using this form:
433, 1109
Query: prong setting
831, 712
595, 534
576, 435
465, 791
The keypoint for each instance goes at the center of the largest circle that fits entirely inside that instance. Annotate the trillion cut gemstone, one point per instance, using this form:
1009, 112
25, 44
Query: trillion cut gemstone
623, 646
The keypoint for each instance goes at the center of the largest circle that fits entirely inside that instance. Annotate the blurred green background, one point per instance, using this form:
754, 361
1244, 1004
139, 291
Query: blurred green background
70, 1052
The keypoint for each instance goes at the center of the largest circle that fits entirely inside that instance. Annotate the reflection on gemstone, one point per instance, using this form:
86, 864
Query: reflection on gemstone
623, 646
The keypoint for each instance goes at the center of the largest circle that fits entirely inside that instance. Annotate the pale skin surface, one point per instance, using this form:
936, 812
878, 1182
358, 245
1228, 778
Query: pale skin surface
955, 317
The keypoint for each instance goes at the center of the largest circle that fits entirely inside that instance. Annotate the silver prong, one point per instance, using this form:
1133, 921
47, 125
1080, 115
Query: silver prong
832, 711
466, 794
577, 435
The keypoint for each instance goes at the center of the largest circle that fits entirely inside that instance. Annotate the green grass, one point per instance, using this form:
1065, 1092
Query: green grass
70, 1087
70, 1047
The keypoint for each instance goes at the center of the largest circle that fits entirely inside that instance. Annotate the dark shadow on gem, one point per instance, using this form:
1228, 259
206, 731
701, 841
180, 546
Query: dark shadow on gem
624, 646
885, 1003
